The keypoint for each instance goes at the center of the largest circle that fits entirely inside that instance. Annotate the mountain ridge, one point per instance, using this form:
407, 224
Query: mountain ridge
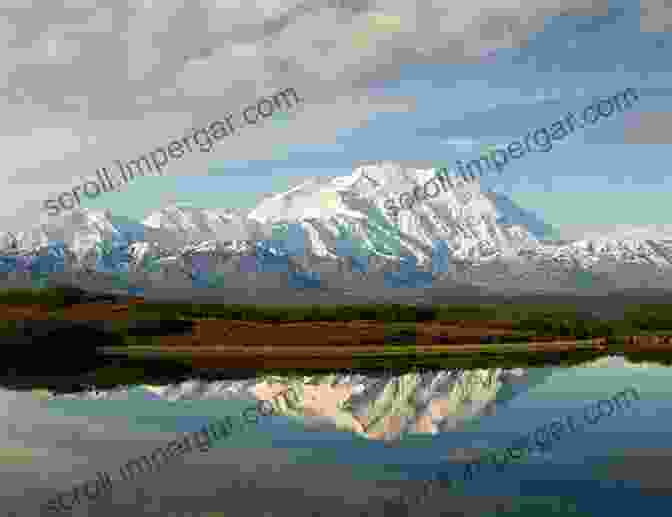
334, 228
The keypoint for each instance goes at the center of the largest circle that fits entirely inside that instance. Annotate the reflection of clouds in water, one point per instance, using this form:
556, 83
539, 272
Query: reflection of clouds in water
381, 406
398, 401
37, 440
15, 455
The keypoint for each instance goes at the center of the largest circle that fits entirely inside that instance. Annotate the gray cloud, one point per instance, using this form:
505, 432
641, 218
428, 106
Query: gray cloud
648, 127
85, 83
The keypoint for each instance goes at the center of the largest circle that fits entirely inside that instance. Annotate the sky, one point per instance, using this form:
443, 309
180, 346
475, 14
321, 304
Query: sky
420, 83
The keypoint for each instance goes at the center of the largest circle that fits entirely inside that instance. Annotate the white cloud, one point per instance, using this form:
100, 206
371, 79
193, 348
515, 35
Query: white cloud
655, 16
192, 63
54, 144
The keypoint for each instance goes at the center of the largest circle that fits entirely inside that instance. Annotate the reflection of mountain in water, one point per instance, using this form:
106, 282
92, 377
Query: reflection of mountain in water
383, 406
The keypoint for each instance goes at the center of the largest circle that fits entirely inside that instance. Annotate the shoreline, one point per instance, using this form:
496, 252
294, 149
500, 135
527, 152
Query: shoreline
237, 337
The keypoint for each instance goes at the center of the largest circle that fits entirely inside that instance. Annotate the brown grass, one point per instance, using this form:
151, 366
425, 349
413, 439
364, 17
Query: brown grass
290, 340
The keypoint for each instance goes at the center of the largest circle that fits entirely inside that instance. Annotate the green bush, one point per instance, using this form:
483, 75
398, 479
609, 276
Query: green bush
652, 322
542, 320
51, 297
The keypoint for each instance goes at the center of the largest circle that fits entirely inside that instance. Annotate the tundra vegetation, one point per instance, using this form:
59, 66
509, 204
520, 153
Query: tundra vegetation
72, 346
527, 319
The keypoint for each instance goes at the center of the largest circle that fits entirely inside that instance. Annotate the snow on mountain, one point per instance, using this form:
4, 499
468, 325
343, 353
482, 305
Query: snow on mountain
8, 241
194, 225
586, 253
655, 232
78, 230
334, 225
463, 216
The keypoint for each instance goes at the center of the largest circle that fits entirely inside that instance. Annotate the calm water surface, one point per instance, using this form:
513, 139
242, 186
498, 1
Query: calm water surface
618, 466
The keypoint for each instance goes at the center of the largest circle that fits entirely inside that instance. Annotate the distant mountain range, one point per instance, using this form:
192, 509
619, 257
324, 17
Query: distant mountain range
333, 234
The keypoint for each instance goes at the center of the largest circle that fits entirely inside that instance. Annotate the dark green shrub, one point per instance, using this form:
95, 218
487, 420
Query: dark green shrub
367, 314
425, 313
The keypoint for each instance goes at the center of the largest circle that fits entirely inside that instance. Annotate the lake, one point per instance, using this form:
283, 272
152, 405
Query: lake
345, 442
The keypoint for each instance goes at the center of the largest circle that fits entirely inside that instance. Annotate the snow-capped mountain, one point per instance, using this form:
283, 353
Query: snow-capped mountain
333, 228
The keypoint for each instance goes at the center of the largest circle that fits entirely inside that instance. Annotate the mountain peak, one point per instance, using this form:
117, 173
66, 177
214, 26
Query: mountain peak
327, 224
